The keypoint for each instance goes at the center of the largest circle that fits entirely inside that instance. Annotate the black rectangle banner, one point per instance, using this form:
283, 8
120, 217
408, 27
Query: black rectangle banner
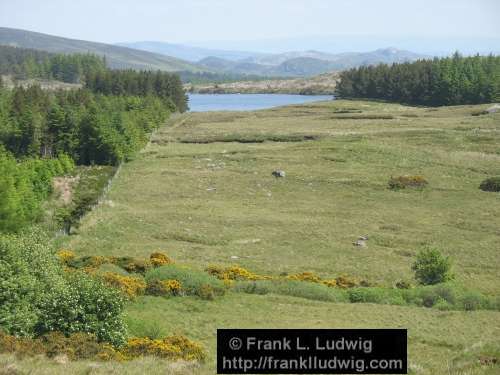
311, 351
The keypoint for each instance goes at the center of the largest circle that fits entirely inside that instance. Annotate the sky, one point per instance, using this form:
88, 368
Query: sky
264, 24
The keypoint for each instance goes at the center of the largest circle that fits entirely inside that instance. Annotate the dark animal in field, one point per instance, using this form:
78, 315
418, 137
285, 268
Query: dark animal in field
279, 173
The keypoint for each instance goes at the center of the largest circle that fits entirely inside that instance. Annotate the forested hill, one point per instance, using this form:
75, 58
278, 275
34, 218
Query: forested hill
116, 56
447, 81
22, 63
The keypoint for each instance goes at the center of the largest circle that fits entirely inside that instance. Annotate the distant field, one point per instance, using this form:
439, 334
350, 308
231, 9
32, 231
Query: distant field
202, 192
323, 84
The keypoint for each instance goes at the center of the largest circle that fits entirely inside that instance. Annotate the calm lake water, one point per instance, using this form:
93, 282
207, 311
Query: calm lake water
247, 102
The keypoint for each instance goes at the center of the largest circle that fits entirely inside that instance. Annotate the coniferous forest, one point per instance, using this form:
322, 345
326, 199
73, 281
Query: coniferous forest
446, 81
23, 63
44, 133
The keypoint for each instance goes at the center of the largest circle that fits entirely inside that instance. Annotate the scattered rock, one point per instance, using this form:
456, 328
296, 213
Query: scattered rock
494, 109
278, 173
361, 241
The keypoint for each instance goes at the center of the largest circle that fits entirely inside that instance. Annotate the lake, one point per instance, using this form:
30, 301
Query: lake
247, 102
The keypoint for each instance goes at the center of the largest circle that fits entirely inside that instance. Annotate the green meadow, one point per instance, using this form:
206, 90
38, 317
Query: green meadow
202, 192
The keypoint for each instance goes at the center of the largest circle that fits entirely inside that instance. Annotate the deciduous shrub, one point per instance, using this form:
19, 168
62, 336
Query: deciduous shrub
491, 184
85, 305
431, 267
403, 182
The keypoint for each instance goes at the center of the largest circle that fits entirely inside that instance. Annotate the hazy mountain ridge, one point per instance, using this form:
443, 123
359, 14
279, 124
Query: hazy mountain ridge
152, 57
116, 56
287, 64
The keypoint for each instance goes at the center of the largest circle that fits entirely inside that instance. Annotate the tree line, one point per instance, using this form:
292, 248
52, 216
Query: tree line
167, 86
440, 81
25, 63
90, 128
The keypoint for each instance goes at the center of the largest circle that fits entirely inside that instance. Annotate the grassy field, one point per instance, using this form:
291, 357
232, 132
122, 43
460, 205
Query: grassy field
202, 192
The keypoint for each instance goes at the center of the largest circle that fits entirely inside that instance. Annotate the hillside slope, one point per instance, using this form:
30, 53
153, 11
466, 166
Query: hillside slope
116, 56
203, 193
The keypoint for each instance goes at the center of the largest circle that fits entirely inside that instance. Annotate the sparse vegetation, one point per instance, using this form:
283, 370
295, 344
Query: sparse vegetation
403, 182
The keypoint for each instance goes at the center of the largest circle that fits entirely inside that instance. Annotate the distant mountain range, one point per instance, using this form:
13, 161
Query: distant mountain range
181, 58
116, 56
288, 64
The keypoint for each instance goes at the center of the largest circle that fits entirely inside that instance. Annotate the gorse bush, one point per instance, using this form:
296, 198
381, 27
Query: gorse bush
233, 273
431, 267
171, 347
164, 288
82, 346
37, 296
490, 184
131, 286
192, 282
158, 259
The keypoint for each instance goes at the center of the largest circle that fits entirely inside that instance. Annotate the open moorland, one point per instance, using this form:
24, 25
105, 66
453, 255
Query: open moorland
202, 192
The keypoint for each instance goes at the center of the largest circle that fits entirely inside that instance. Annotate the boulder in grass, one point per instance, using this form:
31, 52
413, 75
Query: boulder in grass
279, 173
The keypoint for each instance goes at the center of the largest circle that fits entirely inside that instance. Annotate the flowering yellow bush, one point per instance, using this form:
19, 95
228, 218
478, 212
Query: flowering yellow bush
131, 286
234, 273
172, 347
159, 259
173, 286
305, 276
330, 283
65, 256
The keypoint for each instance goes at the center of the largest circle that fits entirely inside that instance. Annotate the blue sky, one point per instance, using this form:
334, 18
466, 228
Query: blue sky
248, 24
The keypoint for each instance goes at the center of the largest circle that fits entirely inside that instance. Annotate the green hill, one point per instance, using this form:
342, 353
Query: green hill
116, 56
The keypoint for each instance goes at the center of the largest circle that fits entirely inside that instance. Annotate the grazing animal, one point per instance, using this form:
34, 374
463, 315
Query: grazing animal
278, 173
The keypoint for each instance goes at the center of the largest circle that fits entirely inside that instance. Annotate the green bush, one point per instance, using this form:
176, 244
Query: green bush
37, 296
193, 282
295, 288
431, 267
251, 287
376, 295
474, 301
490, 184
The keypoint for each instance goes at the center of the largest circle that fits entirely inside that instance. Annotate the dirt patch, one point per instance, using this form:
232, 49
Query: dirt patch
63, 186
